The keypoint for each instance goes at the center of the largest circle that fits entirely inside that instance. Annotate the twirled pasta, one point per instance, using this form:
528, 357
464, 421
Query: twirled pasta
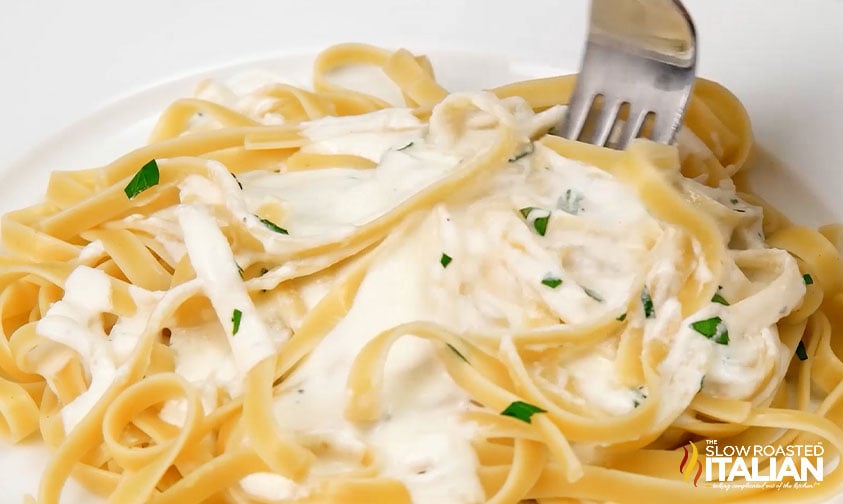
107, 291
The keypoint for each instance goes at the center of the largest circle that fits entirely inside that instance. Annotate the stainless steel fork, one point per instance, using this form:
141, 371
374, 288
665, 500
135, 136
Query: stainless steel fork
640, 57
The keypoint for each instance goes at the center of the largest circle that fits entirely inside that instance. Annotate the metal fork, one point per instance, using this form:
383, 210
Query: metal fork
640, 56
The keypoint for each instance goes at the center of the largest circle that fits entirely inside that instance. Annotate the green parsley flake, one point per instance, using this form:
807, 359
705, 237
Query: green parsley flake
238, 181
647, 303
145, 178
808, 279
525, 212
713, 329
717, 298
551, 281
459, 354
522, 411
571, 202
236, 316
239, 269
539, 223
621, 318
526, 152
405, 147
274, 227
592, 294
445, 260
639, 391
801, 352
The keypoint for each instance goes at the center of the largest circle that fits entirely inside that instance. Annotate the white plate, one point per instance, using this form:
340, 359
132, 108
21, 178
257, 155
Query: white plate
68, 59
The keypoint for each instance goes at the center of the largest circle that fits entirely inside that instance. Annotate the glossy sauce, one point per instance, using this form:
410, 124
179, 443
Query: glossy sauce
601, 243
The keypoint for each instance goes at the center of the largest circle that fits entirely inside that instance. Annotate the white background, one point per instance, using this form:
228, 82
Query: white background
61, 60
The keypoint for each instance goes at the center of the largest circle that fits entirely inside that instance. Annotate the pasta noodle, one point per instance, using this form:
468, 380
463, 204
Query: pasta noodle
320, 295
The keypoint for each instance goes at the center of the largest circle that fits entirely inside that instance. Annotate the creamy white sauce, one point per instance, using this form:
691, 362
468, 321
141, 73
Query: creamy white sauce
273, 487
601, 244
689, 355
369, 136
91, 253
328, 201
607, 393
216, 267
204, 358
421, 439
76, 321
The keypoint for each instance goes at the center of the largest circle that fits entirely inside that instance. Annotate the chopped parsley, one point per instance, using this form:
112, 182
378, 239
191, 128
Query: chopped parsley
145, 178
274, 227
570, 202
801, 352
639, 391
238, 181
713, 329
459, 354
239, 269
526, 152
539, 223
522, 411
702, 382
808, 279
717, 298
525, 212
735, 202
236, 316
264, 271
405, 147
551, 281
647, 303
445, 260
592, 294
621, 317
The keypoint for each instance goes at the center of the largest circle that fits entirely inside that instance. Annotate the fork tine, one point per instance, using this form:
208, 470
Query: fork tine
576, 115
606, 120
664, 128
629, 58
632, 127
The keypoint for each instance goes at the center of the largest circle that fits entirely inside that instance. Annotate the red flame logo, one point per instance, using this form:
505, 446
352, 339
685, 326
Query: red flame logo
690, 461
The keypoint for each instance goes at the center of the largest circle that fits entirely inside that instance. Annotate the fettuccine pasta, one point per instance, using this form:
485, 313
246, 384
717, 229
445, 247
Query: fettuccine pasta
394, 294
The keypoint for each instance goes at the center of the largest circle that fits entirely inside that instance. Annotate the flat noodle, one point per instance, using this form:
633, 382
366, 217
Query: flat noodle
193, 253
